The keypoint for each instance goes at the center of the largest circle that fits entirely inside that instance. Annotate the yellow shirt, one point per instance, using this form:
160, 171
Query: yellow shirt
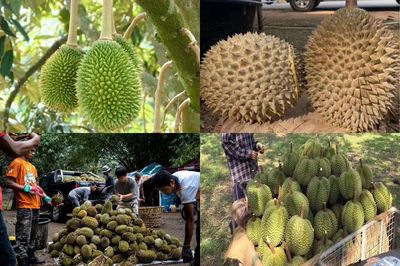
24, 173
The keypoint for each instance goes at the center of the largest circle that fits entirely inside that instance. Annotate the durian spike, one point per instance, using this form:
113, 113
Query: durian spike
128, 33
172, 101
73, 24
158, 95
185, 104
271, 247
106, 30
289, 256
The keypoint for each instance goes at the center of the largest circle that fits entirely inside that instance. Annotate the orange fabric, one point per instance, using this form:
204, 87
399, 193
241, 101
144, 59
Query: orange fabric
24, 173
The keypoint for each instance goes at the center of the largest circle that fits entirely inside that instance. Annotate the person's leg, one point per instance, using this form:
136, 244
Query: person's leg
34, 236
7, 255
135, 207
74, 201
197, 250
23, 235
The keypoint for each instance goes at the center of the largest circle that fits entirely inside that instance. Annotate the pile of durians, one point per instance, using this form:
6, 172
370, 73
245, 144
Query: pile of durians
101, 233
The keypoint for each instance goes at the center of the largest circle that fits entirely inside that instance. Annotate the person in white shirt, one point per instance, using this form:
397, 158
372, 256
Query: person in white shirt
186, 185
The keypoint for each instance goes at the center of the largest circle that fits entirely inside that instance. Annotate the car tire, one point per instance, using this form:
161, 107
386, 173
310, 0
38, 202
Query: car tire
303, 5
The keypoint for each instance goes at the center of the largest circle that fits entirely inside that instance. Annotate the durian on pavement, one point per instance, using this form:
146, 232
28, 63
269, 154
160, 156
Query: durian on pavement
250, 78
351, 61
58, 75
108, 84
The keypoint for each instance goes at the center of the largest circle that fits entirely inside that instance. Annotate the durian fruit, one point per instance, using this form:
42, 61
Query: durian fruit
295, 202
350, 184
311, 149
299, 235
275, 179
290, 160
253, 229
108, 83
339, 162
290, 185
352, 216
258, 195
318, 192
351, 69
322, 245
334, 192
369, 206
305, 170
382, 196
250, 77
325, 223
273, 223
273, 255
366, 175
58, 75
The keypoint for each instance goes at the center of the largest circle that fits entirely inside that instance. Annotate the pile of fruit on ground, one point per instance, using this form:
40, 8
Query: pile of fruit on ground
100, 233
311, 201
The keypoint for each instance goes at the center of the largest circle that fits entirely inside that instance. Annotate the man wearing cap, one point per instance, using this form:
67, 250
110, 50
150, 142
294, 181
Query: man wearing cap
107, 176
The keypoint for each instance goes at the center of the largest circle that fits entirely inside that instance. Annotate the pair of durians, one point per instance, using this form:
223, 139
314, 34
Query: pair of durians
351, 63
104, 81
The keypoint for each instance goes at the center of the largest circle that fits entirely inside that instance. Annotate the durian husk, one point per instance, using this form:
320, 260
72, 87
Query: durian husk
250, 78
352, 62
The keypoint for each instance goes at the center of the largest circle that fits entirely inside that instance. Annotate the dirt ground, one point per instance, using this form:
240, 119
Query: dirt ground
295, 27
173, 224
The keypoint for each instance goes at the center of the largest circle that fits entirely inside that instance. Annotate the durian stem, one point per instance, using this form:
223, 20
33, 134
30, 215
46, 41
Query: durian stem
169, 23
158, 95
361, 164
271, 247
291, 147
106, 31
302, 211
134, 23
114, 30
73, 24
173, 100
289, 256
181, 108
351, 3
337, 148
193, 43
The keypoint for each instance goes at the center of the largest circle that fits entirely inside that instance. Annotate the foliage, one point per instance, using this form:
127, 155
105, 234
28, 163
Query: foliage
30, 27
88, 152
380, 152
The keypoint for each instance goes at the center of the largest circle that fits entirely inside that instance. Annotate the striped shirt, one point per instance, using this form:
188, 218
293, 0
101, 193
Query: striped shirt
238, 149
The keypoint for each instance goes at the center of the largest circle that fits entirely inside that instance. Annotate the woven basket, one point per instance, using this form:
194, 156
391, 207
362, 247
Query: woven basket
151, 216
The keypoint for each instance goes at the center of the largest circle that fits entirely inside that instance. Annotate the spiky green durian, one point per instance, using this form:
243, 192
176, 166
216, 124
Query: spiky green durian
58, 77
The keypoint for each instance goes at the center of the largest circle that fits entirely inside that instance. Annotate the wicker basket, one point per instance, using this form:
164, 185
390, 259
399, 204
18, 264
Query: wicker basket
151, 216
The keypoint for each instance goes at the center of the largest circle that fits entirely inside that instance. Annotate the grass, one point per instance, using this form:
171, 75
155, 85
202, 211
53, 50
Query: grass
379, 151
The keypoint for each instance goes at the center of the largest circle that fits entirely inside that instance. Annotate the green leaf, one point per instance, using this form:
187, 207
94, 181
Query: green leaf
6, 63
2, 41
5, 27
21, 29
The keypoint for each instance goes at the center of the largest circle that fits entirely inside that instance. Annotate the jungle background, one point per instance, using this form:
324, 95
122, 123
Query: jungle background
31, 30
89, 152
379, 151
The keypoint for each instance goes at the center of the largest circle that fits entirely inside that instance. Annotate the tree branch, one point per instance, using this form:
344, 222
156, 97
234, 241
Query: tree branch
29, 73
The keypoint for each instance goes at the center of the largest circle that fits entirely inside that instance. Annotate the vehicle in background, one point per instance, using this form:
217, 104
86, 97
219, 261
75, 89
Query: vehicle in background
63, 181
303, 5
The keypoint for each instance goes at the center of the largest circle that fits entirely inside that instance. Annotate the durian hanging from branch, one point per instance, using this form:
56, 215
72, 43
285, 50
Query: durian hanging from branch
58, 76
109, 87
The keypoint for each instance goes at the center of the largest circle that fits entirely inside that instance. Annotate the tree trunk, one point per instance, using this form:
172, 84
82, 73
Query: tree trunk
351, 3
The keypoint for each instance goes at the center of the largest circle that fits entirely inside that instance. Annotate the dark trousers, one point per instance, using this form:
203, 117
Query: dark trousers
26, 230
7, 255
197, 250
239, 191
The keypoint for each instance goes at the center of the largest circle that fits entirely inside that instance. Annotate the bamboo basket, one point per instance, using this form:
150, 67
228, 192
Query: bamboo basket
151, 216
